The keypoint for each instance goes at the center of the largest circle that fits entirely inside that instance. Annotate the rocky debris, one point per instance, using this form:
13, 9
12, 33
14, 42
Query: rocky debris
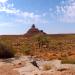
68, 66
35, 64
25, 65
28, 68
54, 64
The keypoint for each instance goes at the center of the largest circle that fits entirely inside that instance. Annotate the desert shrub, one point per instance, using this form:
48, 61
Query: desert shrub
6, 51
42, 41
46, 67
68, 61
26, 48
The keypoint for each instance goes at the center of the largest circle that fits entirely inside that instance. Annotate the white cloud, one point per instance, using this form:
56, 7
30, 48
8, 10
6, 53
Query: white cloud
30, 18
24, 16
44, 14
66, 11
3, 1
8, 8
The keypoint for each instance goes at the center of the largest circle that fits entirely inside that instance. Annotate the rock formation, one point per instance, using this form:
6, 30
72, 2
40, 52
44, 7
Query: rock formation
33, 31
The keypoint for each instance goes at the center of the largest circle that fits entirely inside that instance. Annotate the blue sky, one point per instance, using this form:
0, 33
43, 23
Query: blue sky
52, 16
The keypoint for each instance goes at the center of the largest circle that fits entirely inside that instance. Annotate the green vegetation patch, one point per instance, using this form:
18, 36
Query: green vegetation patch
6, 51
68, 61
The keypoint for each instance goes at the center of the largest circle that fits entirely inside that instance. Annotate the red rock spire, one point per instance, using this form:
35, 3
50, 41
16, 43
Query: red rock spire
33, 26
34, 31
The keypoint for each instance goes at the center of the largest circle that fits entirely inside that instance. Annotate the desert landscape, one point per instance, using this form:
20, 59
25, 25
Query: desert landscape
37, 37
37, 53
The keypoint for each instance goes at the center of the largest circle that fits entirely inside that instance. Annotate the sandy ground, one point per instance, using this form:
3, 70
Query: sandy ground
7, 69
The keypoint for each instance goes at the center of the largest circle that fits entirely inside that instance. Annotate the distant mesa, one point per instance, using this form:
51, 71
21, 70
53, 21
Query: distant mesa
33, 31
